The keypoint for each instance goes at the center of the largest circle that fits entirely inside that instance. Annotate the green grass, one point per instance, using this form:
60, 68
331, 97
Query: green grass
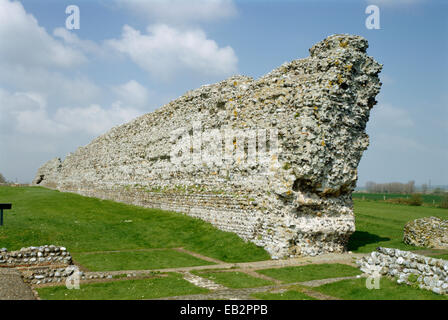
234, 279
427, 198
137, 260
287, 295
441, 256
310, 272
381, 224
42, 216
172, 285
355, 289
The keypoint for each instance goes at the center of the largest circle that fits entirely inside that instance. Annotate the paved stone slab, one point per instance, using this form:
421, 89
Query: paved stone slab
12, 286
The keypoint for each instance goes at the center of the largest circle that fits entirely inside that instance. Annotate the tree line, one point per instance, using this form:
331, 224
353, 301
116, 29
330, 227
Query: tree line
390, 187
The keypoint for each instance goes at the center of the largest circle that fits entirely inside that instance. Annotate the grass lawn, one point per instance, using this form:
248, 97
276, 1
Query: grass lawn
287, 295
137, 260
172, 285
355, 289
427, 198
381, 224
42, 216
310, 272
234, 279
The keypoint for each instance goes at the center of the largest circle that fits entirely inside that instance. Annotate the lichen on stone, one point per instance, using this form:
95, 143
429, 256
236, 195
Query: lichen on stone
303, 192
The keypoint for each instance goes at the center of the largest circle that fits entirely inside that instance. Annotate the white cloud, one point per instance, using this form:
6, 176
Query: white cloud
25, 43
388, 116
73, 40
132, 93
180, 11
94, 119
57, 87
165, 51
27, 113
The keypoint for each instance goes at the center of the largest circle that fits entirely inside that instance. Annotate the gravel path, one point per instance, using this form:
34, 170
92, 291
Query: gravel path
12, 286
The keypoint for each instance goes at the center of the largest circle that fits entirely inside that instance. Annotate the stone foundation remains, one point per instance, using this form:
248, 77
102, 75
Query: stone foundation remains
409, 268
429, 232
39, 265
273, 160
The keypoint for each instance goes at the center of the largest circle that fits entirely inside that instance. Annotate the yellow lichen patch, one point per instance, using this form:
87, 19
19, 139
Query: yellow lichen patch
340, 80
343, 43
235, 113
235, 83
315, 108
349, 67
323, 143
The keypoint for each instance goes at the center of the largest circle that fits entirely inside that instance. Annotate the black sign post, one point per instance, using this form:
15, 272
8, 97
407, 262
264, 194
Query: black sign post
4, 206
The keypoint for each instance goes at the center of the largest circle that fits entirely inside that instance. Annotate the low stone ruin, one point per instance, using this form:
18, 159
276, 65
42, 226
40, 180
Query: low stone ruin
408, 268
273, 160
33, 256
39, 265
429, 232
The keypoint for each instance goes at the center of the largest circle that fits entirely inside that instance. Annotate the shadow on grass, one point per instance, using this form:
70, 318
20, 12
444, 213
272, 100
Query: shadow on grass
361, 238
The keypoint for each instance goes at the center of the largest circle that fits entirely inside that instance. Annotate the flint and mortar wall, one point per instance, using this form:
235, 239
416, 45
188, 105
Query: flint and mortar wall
38, 265
33, 256
413, 269
298, 203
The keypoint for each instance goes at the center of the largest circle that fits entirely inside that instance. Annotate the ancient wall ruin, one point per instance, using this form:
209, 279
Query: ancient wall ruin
407, 268
289, 192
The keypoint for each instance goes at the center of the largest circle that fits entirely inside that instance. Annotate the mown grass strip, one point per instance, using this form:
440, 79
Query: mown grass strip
42, 216
310, 272
172, 285
355, 289
138, 260
234, 279
287, 295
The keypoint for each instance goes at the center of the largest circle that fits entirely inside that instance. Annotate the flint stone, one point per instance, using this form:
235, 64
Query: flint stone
317, 108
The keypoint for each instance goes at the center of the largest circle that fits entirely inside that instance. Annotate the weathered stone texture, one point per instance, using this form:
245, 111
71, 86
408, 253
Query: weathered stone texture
297, 204
407, 268
429, 232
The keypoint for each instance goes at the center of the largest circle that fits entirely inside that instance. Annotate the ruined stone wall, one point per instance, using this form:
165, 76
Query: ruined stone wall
407, 267
297, 202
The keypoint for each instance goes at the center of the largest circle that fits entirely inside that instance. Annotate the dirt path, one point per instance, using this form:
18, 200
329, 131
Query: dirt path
12, 286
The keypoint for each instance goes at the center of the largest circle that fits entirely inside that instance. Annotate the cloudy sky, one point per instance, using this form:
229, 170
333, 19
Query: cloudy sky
61, 88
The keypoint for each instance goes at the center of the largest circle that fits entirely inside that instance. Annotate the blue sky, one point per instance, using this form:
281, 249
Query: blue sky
61, 88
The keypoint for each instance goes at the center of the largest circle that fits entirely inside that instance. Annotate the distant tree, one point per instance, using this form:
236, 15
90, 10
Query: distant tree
416, 200
424, 188
2, 179
444, 203
370, 186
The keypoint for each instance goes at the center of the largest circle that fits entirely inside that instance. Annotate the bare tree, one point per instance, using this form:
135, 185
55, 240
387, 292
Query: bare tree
391, 187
